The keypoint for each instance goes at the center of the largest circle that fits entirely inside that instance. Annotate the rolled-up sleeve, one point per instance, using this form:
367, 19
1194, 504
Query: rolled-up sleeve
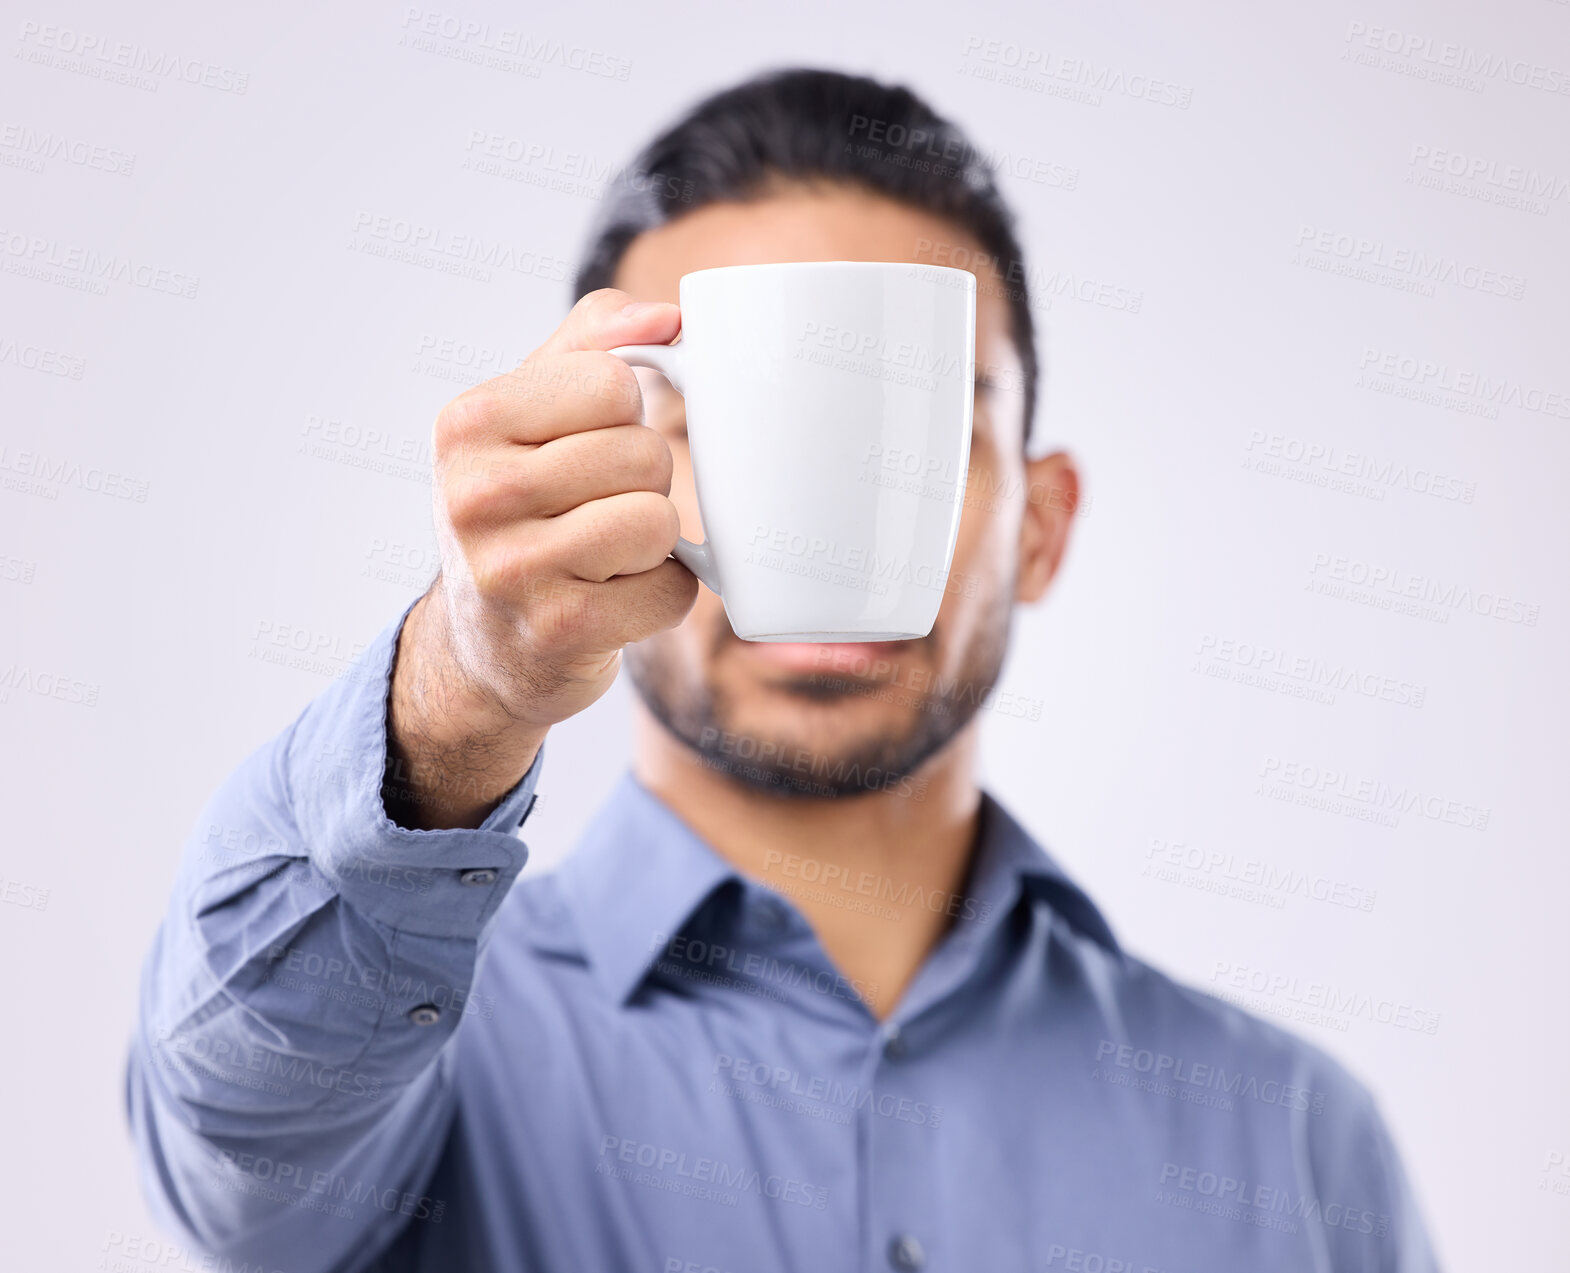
289, 1071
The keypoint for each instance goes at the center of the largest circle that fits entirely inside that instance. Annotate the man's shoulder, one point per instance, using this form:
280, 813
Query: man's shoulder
1167, 1031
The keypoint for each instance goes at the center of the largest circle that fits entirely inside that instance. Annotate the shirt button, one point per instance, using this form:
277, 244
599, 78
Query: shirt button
894, 1047
482, 875
425, 1014
906, 1253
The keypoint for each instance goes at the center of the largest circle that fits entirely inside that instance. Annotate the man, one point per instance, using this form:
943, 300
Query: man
804, 997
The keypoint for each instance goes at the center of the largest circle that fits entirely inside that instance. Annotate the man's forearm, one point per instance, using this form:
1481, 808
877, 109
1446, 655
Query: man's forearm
314, 963
453, 752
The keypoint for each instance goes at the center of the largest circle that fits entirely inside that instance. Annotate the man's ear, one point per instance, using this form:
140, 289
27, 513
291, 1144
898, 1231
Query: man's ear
1051, 496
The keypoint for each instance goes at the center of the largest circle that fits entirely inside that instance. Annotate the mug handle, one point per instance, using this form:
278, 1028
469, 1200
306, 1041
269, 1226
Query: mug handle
667, 360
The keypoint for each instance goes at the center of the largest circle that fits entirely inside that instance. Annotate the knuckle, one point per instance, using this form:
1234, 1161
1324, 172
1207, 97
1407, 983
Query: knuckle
478, 501
565, 618
675, 590
667, 523
529, 570
487, 575
653, 465
599, 298
648, 513
528, 384
466, 417
516, 574
604, 376
462, 509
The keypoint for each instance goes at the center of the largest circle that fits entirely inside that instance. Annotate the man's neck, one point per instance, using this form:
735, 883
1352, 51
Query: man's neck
864, 870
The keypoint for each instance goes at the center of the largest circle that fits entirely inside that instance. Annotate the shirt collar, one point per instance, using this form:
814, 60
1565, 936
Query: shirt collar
1006, 851
639, 873
635, 878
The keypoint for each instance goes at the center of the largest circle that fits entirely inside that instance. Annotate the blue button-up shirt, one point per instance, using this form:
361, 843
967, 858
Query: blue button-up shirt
362, 1047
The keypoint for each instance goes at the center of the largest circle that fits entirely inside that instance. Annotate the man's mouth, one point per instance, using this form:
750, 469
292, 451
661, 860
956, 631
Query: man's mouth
832, 658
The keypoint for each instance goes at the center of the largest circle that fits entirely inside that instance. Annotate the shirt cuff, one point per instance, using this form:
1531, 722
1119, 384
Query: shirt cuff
445, 883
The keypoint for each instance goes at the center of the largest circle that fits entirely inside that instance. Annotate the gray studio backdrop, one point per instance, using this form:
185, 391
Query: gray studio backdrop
1294, 713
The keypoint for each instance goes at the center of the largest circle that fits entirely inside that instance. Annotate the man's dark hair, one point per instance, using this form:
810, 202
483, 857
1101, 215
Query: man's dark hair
811, 125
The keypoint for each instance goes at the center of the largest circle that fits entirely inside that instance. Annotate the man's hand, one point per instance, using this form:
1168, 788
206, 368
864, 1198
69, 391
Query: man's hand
555, 527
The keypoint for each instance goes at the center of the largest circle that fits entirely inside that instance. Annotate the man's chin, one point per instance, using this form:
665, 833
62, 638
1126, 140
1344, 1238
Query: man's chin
819, 721
807, 751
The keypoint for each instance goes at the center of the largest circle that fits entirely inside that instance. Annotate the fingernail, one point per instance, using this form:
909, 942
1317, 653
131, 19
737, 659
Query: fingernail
640, 307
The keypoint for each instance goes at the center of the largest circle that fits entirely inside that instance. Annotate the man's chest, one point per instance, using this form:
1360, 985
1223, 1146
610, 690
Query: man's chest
736, 1133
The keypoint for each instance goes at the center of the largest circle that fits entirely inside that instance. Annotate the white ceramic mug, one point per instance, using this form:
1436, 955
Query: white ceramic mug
828, 414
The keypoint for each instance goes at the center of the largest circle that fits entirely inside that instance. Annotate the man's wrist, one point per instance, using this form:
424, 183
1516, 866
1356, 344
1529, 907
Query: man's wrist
453, 752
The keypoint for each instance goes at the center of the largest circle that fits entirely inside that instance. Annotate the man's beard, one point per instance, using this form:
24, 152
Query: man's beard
701, 714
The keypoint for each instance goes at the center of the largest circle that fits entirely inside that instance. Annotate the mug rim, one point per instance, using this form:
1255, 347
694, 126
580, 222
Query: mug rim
786, 265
